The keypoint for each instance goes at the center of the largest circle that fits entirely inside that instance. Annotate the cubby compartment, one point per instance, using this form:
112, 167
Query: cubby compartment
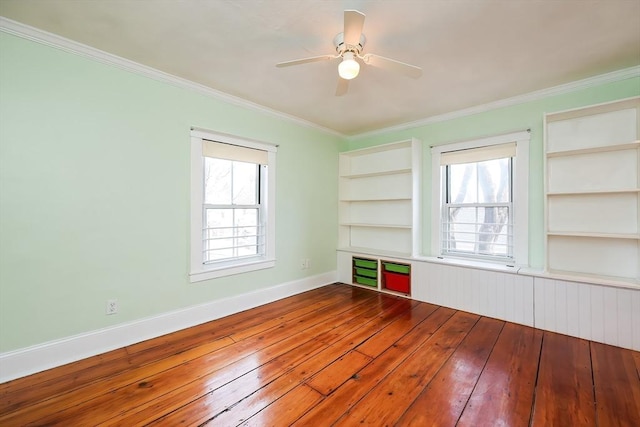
386, 275
396, 277
365, 271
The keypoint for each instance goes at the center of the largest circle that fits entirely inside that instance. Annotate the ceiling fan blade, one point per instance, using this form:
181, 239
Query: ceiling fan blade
305, 60
392, 65
353, 23
343, 86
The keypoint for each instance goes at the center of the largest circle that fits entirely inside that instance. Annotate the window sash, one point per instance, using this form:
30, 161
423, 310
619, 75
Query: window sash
451, 237
448, 241
233, 251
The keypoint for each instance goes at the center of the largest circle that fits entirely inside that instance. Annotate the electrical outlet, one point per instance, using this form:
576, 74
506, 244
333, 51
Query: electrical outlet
307, 263
303, 264
112, 306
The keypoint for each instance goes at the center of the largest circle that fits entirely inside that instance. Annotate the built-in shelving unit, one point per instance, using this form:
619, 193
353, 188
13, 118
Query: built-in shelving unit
383, 275
379, 199
592, 187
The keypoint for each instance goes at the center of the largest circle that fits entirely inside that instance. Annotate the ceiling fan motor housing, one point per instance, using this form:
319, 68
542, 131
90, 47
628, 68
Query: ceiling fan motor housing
342, 47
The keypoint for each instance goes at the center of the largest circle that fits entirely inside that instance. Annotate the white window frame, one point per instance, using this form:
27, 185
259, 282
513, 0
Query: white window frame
520, 191
198, 269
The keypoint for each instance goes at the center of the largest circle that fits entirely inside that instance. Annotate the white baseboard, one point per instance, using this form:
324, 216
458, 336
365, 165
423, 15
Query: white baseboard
29, 360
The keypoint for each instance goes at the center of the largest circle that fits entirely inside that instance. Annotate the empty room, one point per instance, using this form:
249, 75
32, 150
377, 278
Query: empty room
318, 213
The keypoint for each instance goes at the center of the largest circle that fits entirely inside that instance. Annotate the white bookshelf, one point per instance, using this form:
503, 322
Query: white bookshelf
592, 192
379, 199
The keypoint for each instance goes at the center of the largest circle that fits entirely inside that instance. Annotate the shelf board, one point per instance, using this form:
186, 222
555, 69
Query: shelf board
590, 150
361, 224
380, 173
377, 148
375, 252
574, 276
594, 192
631, 236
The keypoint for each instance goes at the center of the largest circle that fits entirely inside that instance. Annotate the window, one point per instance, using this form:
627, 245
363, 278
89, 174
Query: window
480, 205
232, 210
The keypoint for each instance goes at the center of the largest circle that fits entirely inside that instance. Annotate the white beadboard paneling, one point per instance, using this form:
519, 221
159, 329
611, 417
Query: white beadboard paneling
504, 296
477, 291
572, 309
624, 319
345, 267
560, 299
584, 306
419, 281
635, 320
610, 315
468, 298
501, 307
599, 313
527, 312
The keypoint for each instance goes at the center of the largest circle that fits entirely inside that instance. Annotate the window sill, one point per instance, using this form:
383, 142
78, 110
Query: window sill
477, 264
214, 271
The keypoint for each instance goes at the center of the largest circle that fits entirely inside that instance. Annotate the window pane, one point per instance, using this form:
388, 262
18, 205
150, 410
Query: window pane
482, 182
247, 231
463, 183
218, 234
217, 181
231, 233
478, 230
493, 181
244, 183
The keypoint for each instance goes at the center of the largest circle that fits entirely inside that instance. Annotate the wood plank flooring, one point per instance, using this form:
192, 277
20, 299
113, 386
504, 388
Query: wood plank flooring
340, 355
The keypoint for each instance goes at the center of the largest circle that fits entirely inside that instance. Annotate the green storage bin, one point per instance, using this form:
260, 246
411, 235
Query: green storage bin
365, 263
366, 272
366, 281
396, 268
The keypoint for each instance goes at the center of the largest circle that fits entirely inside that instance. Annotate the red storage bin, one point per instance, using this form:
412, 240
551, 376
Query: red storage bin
396, 282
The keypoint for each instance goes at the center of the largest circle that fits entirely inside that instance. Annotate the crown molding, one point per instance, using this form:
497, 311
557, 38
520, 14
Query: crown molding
52, 40
589, 82
61, 43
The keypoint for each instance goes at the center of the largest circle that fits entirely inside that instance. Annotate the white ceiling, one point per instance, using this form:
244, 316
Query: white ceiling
472, 51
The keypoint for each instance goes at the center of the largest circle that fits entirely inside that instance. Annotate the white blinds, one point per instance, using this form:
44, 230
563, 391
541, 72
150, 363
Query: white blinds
221, 150
480, 154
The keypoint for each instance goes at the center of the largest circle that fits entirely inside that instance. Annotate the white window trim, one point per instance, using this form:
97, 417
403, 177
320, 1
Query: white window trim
520, 192
198, 270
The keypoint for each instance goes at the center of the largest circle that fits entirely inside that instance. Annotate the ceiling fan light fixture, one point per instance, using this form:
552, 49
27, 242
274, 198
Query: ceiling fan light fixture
349, 67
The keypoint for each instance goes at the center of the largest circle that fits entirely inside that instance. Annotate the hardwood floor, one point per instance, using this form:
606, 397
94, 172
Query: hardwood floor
340, 355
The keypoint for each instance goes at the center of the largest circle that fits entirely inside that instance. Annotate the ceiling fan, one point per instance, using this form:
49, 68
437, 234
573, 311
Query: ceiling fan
349, 45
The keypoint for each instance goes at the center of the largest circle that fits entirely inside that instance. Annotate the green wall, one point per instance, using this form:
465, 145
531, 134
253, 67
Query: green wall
94, 194
94, 189
527, 115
